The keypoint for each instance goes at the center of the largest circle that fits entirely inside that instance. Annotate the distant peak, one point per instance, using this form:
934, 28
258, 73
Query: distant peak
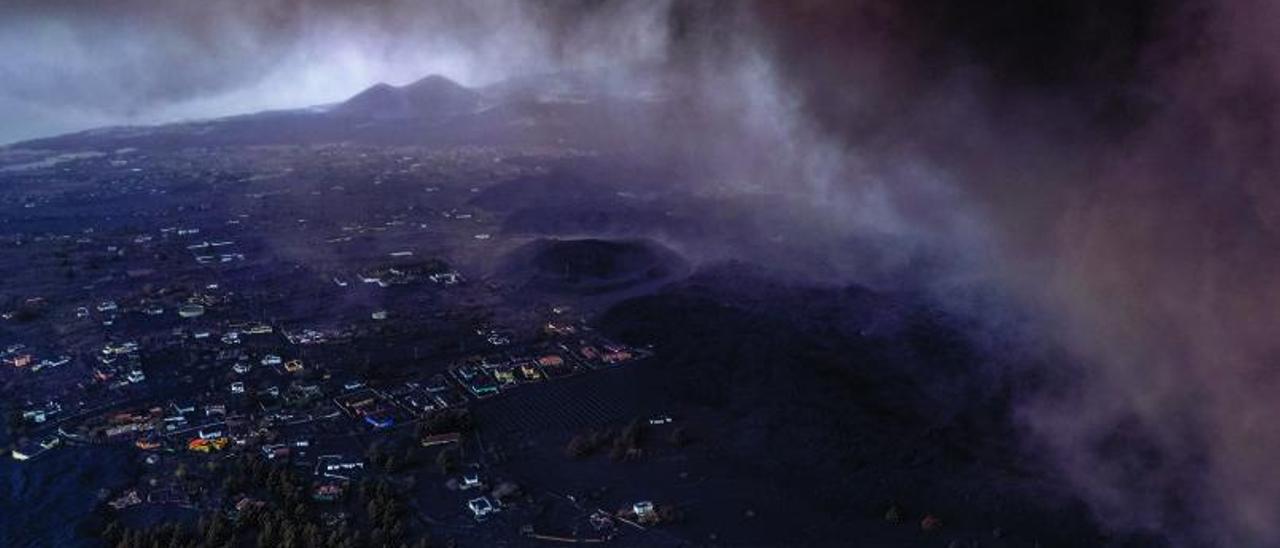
434, 95
434, 81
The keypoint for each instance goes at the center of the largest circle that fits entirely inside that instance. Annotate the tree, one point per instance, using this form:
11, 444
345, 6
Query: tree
579, 446
289, 538
215, 531
446, 420
374, 455
311, 535
633, 435
668, 514
448, 459
112, 534
411, 456
231, 483
678, 437
267, 535
617, 452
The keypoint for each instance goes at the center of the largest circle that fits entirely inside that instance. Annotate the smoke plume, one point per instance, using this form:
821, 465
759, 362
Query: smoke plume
1111, 164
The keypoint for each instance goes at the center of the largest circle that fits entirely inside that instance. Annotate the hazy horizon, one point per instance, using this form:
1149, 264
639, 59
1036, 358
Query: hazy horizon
66, 67
1109, 164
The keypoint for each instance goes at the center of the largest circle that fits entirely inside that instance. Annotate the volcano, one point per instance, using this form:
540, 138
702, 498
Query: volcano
589, 266
431, 97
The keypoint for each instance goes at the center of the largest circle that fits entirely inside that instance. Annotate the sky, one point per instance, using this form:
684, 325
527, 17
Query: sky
69, 65
1110, 163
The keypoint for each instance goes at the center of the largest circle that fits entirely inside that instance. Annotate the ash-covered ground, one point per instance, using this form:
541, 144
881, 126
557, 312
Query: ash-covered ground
441, 315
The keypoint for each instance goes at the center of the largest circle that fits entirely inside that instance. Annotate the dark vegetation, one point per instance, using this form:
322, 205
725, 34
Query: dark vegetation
623, 443
291, 519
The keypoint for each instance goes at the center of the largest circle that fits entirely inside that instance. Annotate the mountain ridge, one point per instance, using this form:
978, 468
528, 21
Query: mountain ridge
555, 109
432, 96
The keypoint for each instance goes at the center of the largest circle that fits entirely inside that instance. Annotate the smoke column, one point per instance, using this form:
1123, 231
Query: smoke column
1111, 164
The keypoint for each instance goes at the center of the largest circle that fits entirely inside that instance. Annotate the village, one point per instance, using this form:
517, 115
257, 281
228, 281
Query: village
315, 418
346, 352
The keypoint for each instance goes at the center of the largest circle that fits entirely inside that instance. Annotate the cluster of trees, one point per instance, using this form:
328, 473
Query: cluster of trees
587, 443
454, 419
678, 437
446, 421
161, 536
27, 312
278, 527
264, 529
392, 459
624, 443
385, 513
23, 310
449, 459
288, 519
14, 423
63, 256
627, 442
251, 473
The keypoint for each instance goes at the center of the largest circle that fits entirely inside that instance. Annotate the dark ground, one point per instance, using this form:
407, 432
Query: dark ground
810, 408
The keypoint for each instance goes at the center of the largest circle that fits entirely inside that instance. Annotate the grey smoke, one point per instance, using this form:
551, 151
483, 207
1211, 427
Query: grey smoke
1112, 165
72, 65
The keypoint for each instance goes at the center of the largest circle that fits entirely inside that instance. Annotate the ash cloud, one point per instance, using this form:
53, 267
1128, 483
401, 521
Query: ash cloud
70, 65
1110, 164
